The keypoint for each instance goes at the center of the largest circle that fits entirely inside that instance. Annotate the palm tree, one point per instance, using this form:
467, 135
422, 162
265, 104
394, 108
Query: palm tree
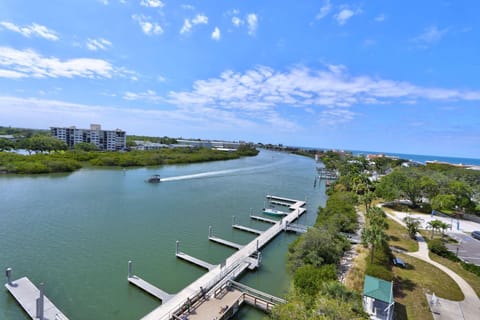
374, 236
434, 225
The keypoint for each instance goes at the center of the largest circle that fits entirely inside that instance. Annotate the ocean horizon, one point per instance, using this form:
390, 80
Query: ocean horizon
423, 158
413, 157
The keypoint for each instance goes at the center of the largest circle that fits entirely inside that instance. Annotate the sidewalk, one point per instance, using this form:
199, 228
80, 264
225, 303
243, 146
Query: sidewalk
470, 306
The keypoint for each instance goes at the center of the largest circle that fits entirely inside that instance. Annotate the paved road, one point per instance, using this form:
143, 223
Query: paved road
468, 247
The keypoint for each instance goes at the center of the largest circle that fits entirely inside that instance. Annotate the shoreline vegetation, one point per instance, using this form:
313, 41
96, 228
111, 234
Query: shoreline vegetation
71, 160
314, 258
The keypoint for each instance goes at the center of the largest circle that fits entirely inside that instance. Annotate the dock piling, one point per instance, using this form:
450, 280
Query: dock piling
8, 274
40, 301
130, 268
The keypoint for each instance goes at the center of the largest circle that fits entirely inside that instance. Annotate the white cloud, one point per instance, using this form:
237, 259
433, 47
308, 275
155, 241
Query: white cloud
259, 92
29, 64
430, 36
149, 95
380, 18
186, 27
34, 29
237, 22
252, 23
104, 2
188, 24
188, 7
98, 44
148, 27
200, 19
344, 15
216, 34
152, 3
324, 10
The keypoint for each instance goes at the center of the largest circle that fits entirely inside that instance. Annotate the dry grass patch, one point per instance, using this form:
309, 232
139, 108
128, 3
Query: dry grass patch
356, 275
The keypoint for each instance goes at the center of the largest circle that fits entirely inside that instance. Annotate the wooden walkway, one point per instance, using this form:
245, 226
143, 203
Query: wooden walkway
220, 274
26, 294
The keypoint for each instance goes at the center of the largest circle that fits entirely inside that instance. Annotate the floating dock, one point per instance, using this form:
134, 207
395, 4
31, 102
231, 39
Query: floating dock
205, 286
32, 299
149, 288
226, 242
281, 203
247, 229
195, 261
263, 219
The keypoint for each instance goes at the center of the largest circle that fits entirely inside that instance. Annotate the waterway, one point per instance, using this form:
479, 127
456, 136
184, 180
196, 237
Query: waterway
75, 232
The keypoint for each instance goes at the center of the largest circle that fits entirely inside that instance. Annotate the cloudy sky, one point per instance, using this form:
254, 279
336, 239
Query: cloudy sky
377, 75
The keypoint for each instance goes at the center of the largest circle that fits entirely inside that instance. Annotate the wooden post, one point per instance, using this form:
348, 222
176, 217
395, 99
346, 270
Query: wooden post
129, 268
8, 274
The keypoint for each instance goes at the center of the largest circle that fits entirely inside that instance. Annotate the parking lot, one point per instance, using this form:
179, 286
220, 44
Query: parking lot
468, 247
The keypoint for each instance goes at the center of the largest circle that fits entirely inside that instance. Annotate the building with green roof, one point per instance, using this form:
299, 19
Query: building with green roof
378, 298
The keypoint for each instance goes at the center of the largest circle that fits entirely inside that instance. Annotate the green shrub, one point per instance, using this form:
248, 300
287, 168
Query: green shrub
309, 279
471, 267
379, 271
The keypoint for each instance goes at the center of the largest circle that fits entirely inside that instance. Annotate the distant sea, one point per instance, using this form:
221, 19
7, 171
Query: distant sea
423, 158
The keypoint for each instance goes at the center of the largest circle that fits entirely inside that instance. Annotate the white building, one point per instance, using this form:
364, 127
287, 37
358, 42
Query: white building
110, 140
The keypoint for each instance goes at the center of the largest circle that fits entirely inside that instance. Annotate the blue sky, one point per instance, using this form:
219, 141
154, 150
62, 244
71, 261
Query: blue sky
393, 76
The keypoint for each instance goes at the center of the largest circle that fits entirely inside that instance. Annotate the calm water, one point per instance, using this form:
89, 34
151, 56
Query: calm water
76, 232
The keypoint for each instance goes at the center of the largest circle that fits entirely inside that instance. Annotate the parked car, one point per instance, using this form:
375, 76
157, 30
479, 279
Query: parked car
476, 235
399, 262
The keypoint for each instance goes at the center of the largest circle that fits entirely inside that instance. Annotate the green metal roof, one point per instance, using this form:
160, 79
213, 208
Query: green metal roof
379, 289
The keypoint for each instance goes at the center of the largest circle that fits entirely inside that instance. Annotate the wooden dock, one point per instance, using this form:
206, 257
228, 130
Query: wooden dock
226, 242
150, 288
195, 261
27, 295
247, 229
263, 219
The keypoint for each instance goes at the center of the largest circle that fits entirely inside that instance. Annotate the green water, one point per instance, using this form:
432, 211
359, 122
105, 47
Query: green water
76, 232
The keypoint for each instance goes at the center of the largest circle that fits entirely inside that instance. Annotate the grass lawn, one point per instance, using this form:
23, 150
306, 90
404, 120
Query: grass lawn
412, 283
471, 278
399, 237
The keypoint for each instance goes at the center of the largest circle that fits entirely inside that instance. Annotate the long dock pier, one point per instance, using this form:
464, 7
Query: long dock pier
32, 299
228, 270
146, 286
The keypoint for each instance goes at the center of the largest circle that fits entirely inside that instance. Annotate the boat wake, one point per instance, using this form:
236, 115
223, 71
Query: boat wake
204, 175
218, 173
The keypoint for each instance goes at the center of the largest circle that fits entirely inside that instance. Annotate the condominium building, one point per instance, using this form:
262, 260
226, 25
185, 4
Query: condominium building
109, 140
